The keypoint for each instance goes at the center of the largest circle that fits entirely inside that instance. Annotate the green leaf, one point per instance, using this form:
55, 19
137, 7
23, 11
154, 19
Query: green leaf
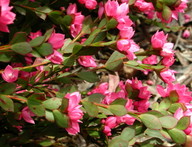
19, 37
5, 57
21, 48
47, 142
174, 107
87, 25
88, 76
118, 142
67, 19
96, 97
6, 103
165, 104
56, 17
115, 61
8, 88
49, 116
118, 110
69, 61
48, 33
112, 23
64, 104
173, 96
156, 113
183, 123
35, 105
168, 122
45, 49
177, 135
150, 121
119, 101
105, 111
90, 108
154, 133
52, 103
37, 41
127, 134
61, 119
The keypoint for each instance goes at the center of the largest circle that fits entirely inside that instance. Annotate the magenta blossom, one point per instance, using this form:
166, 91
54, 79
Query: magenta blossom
26, 114
74, 112
6, 16
9, 74
56, 40
168, 75
56, 57
182, 91
35, 34
87, 61
158, 40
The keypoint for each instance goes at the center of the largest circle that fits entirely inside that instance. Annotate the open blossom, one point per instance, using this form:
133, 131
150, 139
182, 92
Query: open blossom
182, 91
72, 9
150, 60
168, 75
56, 40
158, 40
9, 74
167, 50
89, 4
34, 35
27, 115
6, 16
87, 61
112, 8
74, 112
56, 57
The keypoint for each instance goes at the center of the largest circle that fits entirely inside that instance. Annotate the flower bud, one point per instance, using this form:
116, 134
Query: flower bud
166, 13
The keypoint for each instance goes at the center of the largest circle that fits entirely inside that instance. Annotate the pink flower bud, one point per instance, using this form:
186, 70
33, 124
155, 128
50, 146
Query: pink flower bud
56, 40
186, 34
56, 57
158, 40
167, 50
150, 60
123, 44
87, 61
126, 32
26, 114
168, 75
9, 74
187, 18
101, 10
90, 4
35, 34
72, 9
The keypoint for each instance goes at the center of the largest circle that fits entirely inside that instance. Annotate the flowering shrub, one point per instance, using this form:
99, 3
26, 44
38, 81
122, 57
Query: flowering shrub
48, 49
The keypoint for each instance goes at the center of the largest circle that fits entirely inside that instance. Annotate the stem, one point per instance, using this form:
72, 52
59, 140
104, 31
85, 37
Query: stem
5, 47
15, 98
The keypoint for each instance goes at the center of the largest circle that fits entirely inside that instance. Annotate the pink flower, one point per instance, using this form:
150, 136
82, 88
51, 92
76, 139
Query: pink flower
182, 91
123, 44
186, 34
158, 40
168, 75
133, 48
144, 6
87, 61
124, 21
109, 123
35, 34
74, 112
72, 9
167, 50
126, 32
102, 89
90, 4
56, 40
168, 61
150, 60
6, 16
129, 120
112, 8
56, 57
141, 106
26, 114
9, 74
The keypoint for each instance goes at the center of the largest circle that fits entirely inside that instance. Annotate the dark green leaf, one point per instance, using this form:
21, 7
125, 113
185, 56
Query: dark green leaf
45, 49
67, 19
115, 61
6, 103
88, 76
61, 119
154, 133
111, 24
37, 41
8, 88
19, 37
90, 108
128, 134
21, 48
119, 101
4, 57
96, 97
